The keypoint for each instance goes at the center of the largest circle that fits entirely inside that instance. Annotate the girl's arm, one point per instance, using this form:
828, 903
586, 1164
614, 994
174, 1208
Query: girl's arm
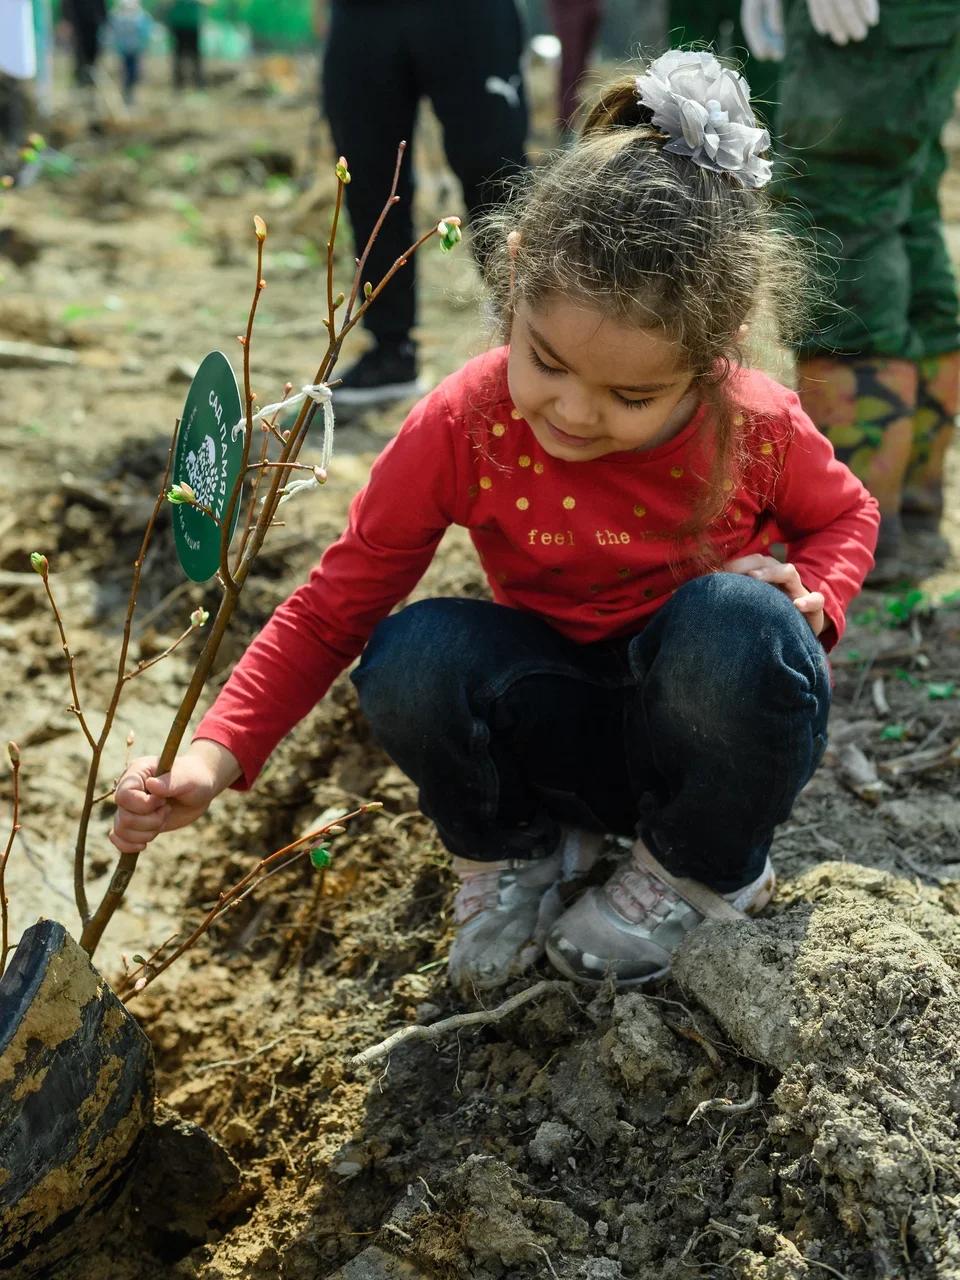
395, 525
828, 520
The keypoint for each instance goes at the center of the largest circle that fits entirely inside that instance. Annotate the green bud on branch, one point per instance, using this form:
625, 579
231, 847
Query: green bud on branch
448, 229
259, 227
320, 857
39, 564
199, 618
13, 751
368, 290
342, 172
181, 495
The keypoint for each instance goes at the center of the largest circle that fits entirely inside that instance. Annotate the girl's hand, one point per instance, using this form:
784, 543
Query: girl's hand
784, 576
148, 805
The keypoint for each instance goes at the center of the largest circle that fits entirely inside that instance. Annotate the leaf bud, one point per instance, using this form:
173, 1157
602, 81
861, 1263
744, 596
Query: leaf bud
181, 494
341, 170
320, 857
367, 289
448, 229
320, 475
39, 564
13, 751
259, 227
337, 830
199, 618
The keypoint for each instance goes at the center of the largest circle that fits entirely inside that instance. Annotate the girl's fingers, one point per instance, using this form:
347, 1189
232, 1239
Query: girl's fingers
126, 846
780, 575
810, 602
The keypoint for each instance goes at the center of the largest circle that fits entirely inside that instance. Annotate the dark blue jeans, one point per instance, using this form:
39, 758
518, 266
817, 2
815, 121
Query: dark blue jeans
697, 733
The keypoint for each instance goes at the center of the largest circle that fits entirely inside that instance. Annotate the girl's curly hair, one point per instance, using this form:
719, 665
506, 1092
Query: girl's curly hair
654, 240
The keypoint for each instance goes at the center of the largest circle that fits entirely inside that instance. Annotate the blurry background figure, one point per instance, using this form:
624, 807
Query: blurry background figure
718, 23
130, 28
184, 20
85, 19
575, 24
18, 66
381, 58
865, 93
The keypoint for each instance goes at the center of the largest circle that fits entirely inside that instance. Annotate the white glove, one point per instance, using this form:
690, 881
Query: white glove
762, 22
844, 20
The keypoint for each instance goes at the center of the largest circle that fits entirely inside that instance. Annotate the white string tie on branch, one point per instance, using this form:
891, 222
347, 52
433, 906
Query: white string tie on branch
320, 394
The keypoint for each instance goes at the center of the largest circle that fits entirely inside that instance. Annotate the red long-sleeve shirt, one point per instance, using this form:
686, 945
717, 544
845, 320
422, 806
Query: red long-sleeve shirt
573, 542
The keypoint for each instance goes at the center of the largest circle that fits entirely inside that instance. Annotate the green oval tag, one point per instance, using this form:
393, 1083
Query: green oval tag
207, 458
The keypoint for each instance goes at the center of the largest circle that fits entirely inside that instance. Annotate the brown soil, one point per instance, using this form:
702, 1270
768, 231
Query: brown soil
562, 1142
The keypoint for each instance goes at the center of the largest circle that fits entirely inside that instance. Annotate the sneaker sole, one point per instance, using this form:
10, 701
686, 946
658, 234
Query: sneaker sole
358, 397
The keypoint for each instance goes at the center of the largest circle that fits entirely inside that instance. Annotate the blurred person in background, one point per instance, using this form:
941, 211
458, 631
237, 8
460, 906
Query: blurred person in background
130, 29
381, 58
85, 19
576, 24
866, 90
184, 20
18, 65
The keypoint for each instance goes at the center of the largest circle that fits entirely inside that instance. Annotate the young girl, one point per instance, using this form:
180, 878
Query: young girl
646, 667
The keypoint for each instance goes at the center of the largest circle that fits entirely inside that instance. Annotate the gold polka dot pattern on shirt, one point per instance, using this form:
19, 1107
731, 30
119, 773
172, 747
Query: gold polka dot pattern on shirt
737, 513
499, 429
640, 511
728, 485
676, 472
473, 491
522, 504
516, 415
486, 482
766, 448
624, 573
524, 460
569, 503
765, 539
538, 468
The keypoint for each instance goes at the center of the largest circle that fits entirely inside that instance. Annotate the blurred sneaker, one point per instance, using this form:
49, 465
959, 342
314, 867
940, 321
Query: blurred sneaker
631, 927
385, 372
503, 910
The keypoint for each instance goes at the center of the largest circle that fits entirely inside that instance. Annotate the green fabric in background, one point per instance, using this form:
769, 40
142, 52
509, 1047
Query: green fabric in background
860, 161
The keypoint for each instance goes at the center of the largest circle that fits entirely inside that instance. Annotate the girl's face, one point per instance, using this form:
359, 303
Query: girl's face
589, 385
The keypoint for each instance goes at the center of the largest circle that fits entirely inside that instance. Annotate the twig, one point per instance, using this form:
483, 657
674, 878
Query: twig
691, 1033
149, 970
438, 1030
71, 665
249, 1057
922, 761
546, 1257
724, 1106
879, 695
14, 752
93, 772
152, 662
398, 1232
815, 1262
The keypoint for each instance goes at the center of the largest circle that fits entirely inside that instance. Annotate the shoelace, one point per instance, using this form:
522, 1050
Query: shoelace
479, 890
637, 895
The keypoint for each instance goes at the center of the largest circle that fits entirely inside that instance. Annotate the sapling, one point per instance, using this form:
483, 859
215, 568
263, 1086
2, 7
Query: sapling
271, 482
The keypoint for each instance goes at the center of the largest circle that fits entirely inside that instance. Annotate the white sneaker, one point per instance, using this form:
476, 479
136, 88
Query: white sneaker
631, 927
504, 910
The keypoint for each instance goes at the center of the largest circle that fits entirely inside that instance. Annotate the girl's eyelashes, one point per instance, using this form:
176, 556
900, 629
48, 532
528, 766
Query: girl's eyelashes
552, 369
633, 404
541, 364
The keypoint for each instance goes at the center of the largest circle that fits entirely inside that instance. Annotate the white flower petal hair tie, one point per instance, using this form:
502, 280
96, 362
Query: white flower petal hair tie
704, 108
